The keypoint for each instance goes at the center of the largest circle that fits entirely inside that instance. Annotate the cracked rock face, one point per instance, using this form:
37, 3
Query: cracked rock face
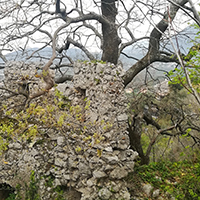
91, 175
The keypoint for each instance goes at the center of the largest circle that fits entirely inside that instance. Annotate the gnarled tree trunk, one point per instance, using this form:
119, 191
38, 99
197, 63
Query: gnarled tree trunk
135, 132
111, 40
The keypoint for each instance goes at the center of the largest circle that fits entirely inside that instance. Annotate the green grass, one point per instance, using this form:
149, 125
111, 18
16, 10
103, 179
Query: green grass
180, 179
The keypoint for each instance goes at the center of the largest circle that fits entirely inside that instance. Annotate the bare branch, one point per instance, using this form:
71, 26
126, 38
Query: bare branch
83, 48
45, 72
196, 17
153, 53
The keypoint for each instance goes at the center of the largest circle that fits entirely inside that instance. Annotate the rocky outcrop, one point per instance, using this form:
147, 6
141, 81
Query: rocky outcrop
96, 170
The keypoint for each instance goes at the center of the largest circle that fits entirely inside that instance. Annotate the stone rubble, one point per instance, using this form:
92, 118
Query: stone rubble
89, 175
148, 191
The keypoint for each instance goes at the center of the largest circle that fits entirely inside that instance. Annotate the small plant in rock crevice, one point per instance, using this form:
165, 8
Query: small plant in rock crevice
53, 112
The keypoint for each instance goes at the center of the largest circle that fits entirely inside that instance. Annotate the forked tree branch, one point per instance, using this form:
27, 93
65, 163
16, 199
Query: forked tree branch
153, 53
46, 75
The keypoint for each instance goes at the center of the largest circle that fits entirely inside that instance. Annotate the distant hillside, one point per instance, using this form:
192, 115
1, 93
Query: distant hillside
41, 55
183, 40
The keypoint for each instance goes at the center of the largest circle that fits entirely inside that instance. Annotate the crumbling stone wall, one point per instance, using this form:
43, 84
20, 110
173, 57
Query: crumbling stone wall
89, 175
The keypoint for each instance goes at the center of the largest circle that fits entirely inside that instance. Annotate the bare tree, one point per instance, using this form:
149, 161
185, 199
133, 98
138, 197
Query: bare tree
109, 25
106, 26
169, 118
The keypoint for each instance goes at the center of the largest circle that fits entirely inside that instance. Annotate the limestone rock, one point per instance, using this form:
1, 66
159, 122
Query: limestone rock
16, 146
119, 173
110, 159
99, 174
156, 193
60, 141
147, 188
104, 194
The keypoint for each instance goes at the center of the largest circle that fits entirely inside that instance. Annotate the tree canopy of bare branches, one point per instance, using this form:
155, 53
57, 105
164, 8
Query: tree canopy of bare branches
106, 26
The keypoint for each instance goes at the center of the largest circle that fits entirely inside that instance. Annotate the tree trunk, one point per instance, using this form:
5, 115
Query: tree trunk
111, 40
135, 131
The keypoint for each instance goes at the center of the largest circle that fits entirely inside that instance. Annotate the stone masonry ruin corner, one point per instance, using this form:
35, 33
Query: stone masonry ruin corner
88, 175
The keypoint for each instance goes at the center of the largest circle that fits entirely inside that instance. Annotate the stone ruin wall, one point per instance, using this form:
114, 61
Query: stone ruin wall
90, 176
